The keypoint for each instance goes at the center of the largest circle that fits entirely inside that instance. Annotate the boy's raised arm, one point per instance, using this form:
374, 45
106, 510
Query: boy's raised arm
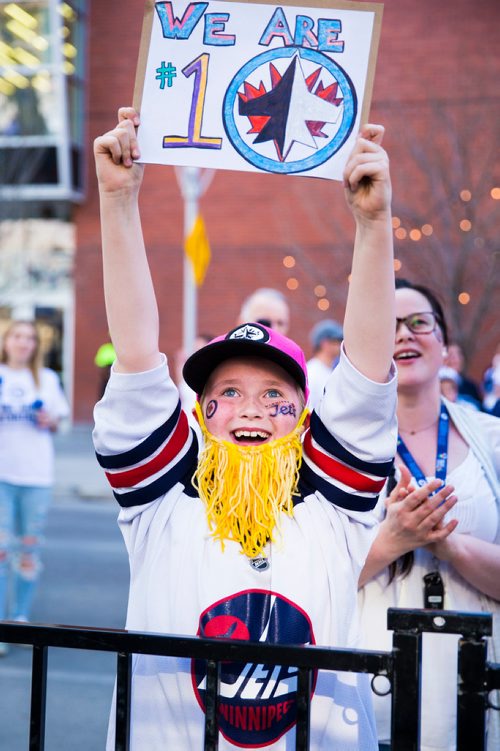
369, 325
131, 306
129, 293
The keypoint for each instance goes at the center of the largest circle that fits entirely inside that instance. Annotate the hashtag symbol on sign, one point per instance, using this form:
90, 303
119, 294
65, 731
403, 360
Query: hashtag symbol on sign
166, 73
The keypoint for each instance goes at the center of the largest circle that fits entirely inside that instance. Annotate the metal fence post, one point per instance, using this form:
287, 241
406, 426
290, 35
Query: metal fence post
38, 698
406, 683
406, 688
303, 710
123, 696
472, 694
211, 706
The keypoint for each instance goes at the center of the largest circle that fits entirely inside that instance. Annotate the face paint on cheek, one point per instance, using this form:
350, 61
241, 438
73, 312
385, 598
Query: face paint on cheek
274, 409
211, 409
283, 408
289, 409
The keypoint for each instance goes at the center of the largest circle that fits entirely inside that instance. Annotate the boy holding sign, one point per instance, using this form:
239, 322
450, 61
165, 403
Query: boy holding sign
262, 533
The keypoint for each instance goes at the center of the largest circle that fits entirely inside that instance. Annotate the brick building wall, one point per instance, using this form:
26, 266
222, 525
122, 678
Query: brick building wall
438, 69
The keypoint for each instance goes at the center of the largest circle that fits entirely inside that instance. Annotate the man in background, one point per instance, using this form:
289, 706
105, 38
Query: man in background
468, 390
325, 337
268, 307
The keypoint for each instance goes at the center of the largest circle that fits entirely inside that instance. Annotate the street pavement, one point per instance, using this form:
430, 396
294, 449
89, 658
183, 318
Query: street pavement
84, 583
76, 470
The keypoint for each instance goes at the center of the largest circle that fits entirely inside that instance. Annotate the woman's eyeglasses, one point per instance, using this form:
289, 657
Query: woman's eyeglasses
419, 323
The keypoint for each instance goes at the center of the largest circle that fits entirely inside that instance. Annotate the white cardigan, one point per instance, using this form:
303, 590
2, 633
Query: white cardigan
482, 432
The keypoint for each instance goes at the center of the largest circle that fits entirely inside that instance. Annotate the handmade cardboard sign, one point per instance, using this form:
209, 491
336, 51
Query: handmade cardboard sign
255, 86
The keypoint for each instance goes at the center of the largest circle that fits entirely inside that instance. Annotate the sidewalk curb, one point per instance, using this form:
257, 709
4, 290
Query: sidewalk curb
82, 493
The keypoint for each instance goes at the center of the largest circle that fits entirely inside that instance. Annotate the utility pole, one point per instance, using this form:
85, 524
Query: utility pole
193, 183
189, 181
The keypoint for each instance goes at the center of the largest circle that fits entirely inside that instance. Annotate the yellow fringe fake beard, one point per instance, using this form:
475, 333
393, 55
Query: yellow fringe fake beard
246, 488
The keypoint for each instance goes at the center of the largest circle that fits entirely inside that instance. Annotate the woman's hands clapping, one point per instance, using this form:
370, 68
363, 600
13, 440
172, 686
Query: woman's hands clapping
414, 518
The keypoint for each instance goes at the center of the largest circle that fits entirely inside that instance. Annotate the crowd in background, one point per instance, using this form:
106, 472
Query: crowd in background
412, 544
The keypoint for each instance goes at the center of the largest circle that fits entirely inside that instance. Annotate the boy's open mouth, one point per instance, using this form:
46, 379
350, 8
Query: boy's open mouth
250, 437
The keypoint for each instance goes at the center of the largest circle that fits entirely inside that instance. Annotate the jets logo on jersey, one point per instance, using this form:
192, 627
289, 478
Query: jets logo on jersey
257, 702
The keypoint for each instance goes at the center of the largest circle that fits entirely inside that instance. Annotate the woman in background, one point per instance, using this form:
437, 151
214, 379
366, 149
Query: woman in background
32, 403
432, 543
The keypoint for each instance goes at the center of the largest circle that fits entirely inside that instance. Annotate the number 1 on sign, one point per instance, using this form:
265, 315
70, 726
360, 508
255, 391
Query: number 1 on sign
194, 139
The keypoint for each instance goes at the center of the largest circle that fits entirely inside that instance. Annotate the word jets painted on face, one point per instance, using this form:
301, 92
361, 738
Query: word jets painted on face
289, 110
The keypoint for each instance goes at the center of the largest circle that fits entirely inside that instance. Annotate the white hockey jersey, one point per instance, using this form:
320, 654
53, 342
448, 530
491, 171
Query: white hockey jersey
182, 582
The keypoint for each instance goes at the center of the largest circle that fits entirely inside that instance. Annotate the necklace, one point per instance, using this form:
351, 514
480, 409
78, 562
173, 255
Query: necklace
419, 430
441, 451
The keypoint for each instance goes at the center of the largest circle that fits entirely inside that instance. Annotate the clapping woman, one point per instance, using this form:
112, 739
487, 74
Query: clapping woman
438, 543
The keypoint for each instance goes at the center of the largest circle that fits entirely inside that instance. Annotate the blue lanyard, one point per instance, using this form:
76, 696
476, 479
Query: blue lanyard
441, 455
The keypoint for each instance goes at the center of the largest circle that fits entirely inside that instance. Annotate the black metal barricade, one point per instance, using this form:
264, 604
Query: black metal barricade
401, 666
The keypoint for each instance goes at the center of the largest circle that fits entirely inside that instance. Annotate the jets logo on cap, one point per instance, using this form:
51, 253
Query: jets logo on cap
249, 331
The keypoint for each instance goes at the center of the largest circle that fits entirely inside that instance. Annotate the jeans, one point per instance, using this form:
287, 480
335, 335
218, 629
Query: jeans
23, 512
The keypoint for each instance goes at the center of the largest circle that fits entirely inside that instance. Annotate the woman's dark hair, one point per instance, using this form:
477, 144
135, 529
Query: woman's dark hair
436, 306
404, 564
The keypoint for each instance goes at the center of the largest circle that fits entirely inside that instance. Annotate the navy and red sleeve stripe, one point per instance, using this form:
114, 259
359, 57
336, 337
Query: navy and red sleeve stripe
338, 474
172, 447
152, 468
144, 449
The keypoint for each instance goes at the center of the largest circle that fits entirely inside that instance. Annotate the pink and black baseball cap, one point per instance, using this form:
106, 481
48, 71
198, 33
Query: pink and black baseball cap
246, 340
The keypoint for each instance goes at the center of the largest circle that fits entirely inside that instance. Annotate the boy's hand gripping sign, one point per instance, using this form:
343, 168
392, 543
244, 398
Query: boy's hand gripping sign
255, 86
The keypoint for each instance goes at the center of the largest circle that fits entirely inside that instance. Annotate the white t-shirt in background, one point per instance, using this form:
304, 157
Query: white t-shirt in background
27, 451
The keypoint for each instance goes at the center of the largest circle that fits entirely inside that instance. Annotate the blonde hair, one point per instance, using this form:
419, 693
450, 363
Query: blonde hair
34, 363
